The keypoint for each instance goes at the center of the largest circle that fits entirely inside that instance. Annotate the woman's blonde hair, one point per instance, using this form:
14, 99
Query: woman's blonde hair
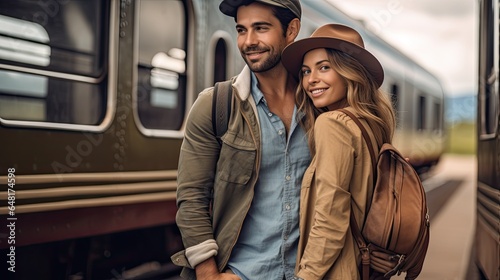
363, 95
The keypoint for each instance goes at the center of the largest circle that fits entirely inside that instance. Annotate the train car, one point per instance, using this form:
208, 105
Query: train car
486, 250
93, 98
416, 93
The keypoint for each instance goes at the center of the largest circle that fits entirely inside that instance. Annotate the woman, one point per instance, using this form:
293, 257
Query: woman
335, 71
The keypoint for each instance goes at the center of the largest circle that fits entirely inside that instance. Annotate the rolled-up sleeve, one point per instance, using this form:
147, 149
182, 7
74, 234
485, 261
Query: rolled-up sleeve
197, 164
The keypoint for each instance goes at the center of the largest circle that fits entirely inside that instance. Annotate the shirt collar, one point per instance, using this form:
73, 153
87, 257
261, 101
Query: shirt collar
257, 95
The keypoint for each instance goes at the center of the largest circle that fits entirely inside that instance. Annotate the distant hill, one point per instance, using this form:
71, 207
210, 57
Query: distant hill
460, 108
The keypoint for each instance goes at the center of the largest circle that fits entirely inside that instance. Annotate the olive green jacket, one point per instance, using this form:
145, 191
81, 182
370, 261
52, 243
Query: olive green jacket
216, 182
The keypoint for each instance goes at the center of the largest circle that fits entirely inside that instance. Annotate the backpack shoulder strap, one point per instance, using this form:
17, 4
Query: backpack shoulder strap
356, 232
221, 107
366, 136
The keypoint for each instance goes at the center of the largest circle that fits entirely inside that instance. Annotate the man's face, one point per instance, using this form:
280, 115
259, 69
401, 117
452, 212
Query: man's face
260, 37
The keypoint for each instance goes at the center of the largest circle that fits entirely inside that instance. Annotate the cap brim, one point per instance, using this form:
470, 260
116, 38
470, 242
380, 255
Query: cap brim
293, 55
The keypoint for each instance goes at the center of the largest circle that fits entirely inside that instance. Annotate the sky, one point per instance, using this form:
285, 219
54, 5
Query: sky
439, 35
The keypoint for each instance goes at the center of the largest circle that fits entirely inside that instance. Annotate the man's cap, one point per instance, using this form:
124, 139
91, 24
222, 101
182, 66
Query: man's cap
230, 7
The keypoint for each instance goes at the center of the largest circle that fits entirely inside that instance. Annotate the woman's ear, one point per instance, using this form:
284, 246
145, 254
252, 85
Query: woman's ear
293, 30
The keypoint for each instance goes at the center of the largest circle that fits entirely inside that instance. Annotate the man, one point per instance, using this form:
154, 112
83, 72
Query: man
239, 201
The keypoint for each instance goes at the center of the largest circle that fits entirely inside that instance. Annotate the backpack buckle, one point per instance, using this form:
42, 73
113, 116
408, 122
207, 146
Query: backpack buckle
400, 259
365, 255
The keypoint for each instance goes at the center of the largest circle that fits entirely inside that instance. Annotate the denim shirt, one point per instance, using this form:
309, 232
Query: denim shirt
267, 244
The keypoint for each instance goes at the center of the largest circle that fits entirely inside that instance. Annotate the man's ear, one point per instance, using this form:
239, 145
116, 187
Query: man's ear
293, 30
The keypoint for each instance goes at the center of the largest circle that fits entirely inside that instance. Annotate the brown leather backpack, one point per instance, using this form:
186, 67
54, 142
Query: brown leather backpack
397, 224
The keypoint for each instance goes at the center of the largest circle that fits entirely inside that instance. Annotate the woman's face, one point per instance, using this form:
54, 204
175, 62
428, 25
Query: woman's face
323, 84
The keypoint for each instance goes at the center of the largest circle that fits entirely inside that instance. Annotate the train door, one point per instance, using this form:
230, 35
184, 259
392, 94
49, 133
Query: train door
487, 242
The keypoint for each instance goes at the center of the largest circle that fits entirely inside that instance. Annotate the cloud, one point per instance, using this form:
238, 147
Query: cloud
441, 36
453, 8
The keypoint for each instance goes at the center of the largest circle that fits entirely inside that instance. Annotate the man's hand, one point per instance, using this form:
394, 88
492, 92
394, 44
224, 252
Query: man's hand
207, 270
225, 276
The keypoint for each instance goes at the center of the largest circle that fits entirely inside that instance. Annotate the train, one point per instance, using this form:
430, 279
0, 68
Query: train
93, 99
486, 246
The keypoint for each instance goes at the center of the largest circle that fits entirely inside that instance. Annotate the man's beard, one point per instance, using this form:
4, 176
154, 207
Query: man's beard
263, 66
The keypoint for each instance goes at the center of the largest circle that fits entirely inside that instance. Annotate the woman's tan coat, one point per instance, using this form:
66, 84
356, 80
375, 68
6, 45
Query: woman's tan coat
339, 179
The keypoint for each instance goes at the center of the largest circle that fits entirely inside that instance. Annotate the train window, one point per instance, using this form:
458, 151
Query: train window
395, 96
395, 101
489, 116
489, 84
53, 61
421, 112
220, 69
161, 79
437, 117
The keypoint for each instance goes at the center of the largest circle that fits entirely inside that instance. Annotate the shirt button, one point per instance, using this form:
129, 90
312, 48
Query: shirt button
285, 237
287, 207
270, 114
288, 177
280, 132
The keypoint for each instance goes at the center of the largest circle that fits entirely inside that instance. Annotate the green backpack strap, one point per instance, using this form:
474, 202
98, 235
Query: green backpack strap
221, 107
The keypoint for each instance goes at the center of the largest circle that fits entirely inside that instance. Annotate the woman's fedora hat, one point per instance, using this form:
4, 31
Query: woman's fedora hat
333, 36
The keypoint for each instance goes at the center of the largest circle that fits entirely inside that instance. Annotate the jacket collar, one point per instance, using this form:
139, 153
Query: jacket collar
242, 83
